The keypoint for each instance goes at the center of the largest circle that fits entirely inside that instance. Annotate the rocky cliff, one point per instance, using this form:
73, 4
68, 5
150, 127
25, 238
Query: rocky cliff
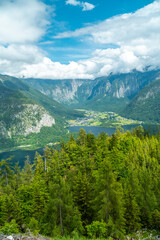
27, 117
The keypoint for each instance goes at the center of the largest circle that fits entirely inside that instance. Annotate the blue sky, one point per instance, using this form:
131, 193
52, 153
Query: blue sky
61, 39
69, 18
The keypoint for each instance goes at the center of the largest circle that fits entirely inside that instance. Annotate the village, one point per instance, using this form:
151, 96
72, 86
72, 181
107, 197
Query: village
102, 119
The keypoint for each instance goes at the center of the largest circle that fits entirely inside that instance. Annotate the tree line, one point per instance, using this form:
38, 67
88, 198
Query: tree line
92, 186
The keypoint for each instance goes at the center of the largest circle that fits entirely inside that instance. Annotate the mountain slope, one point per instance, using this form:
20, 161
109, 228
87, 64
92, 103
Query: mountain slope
111, 93
27, 117
145, 105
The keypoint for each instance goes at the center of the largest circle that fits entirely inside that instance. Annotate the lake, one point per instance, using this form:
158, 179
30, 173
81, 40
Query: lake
20, 155
97, 130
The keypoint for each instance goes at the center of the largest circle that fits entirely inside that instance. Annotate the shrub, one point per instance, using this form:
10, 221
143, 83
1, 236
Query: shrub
10, 228
97, 229
33, 226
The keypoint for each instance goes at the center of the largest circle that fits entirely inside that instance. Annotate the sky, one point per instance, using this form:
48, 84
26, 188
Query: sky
71, 39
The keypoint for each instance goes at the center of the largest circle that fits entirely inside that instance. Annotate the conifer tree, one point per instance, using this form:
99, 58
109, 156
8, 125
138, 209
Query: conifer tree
109, 201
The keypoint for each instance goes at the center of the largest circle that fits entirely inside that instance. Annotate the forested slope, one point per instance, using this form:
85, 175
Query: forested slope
104, 186
145, 105
28, 117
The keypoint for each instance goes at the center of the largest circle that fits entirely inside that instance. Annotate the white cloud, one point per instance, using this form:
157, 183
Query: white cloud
54, 70
22, 21
73, 2
85, 5
124, 28
21, 53
102, 63
137, 35
15, 57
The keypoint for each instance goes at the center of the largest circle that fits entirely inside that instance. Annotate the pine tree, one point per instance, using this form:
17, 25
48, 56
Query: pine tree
6, 170
132, 211
109, 200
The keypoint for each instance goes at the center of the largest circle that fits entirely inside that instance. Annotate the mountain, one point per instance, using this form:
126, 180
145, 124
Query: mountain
110, 93
145, 105
27, 117
63, 91
33, 118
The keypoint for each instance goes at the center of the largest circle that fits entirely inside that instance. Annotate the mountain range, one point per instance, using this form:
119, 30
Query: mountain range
33, 112
112, 93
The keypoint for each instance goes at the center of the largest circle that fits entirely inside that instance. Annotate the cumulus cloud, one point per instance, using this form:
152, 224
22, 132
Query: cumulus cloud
102, 63
137, 36
22, 53
55, 70
73, 2
85, 5
122, 29
15, 57
22, 21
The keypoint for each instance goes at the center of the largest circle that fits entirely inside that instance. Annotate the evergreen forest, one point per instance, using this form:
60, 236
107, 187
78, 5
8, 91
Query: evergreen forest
105, 186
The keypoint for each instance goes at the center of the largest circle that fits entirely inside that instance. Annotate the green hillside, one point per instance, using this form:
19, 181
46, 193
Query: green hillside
28, 92
28, 118
105, 187
145, 105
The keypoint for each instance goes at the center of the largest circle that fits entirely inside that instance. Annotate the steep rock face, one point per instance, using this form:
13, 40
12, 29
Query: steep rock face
20, 115
63, 91
123, 85
23, 119
68, 93
28, 117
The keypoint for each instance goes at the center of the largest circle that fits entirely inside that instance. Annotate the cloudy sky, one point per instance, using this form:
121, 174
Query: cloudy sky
60, 39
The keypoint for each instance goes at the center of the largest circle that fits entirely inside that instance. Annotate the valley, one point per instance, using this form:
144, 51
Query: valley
79, 120
37, 112
35, 118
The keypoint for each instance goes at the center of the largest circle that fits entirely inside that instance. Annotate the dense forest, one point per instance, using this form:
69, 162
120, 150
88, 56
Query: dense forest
92, 186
